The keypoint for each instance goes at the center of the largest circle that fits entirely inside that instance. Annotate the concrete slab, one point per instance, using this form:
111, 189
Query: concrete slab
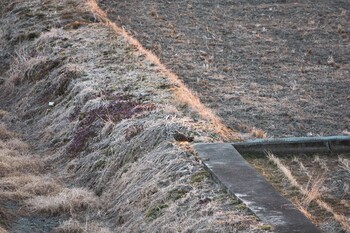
241, 180
297, 145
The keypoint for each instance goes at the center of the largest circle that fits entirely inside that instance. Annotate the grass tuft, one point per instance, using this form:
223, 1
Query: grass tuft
17, 144
4, 133
155, 211
258, 133
67, 201
74, 226
3, 113
28, 186
199, 176
15, 165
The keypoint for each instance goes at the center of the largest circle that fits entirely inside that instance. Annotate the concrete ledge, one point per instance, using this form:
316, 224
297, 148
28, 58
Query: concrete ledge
241, 180
297, 145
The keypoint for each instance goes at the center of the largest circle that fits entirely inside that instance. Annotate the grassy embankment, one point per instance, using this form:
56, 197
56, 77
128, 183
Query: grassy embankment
101, 157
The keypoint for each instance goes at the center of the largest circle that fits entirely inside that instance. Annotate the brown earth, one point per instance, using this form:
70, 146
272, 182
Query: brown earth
280, 66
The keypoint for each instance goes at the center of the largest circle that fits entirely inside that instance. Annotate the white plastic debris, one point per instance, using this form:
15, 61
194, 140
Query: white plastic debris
51, 104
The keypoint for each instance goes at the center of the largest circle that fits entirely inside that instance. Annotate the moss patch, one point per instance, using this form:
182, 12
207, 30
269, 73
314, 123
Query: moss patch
155, 211
177, 193
199, 176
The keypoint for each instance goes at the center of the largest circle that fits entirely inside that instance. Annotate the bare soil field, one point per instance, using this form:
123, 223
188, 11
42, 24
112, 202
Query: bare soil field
280, 66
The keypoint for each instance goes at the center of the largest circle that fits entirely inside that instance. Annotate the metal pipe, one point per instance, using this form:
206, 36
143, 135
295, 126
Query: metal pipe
295, 145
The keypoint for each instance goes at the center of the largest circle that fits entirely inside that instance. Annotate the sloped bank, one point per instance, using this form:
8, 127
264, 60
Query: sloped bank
102, 116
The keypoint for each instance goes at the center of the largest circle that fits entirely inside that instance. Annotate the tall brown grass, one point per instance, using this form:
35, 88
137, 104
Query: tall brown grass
66, 201
22, 180
25, 186
73, 226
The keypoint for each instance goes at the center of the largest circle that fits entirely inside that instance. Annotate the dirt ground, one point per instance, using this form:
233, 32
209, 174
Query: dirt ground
276, 65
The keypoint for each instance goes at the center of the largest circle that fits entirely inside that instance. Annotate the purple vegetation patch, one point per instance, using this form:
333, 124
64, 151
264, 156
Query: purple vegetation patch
114, 111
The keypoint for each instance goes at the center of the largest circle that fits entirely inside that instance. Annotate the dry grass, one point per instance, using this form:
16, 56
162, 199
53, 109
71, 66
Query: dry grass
286, 171
258, 133
3, 113
25, 186
17, 169
311, 193
4, 215
8, 141
68, 201
21, 173
342, 219
10, 164
17, 70
74, 226
26, 67
2, 230
4, 133
14, 154
344, 163
21, 180
17, 144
